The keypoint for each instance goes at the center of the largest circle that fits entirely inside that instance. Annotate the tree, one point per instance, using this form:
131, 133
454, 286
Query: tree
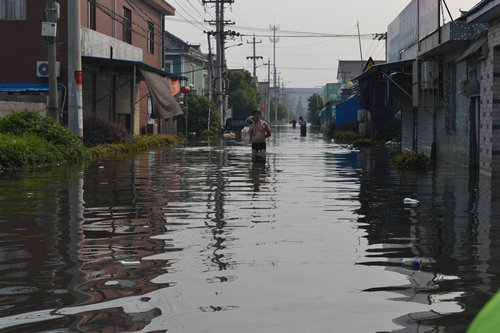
314, 106
198, 110
243, 94
283, 112
299, 108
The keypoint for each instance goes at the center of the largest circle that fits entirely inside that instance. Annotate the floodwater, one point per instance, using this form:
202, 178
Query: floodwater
197, 238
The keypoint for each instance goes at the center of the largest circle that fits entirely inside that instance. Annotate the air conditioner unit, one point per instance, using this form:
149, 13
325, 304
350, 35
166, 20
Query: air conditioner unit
429, 75
42, 69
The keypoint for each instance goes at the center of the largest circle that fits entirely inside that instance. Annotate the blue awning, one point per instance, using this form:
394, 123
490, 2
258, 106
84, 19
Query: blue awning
20, 87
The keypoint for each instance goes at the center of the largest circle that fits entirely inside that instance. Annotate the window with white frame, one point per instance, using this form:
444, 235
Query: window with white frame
151, 37
91, 15
127, 25
12, 9
169, 66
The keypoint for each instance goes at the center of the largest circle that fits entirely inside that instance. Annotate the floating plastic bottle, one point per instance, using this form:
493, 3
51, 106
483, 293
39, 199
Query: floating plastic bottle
410, 201
413, 262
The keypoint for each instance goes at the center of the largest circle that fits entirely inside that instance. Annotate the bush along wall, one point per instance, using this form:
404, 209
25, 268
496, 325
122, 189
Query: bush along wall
411, 161
29, 140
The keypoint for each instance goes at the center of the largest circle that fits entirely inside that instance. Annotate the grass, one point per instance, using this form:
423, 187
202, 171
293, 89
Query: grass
29, 140
139, 144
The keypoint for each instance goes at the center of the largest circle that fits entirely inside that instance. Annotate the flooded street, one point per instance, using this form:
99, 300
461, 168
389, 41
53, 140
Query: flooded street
197, 238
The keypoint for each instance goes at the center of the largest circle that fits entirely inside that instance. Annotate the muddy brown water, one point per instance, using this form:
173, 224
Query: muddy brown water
197, 238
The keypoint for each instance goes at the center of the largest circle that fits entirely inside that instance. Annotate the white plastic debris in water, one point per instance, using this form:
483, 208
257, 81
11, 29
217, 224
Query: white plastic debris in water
112, 283
410, 201
130, 263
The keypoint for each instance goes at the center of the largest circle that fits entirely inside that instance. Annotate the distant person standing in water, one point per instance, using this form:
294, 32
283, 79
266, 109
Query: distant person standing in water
259, 131
294, 123
303, 126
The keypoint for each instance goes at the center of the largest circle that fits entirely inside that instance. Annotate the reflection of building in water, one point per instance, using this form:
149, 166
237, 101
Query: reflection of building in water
453, 227
123, 210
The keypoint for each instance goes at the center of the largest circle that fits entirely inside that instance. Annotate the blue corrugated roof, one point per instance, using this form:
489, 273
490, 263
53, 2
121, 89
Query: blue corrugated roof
19, 87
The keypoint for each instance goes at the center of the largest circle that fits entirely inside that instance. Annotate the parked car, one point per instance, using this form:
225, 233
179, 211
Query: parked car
235, 125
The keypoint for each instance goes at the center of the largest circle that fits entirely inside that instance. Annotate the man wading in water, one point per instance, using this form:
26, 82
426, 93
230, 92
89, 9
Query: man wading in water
259, 130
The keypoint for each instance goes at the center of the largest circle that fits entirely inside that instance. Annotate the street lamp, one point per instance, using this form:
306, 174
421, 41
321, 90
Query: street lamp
239, 44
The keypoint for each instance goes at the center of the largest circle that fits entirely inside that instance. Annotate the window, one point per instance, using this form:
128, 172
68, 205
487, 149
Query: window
127, 25
12, 9
151, 38
169, 66
91, 12
192, 74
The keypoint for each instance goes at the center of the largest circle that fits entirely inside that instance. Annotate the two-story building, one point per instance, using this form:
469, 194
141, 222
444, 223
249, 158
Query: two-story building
187, 60
442, 78
122, 51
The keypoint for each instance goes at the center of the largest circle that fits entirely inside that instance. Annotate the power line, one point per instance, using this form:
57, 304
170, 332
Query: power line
189, 14
290, 34
121, 19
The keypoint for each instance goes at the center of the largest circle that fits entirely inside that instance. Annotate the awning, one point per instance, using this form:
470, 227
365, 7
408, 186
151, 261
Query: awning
471, 49
164, 104
127, 66
20, 87
326, 113
383, 87
159, 82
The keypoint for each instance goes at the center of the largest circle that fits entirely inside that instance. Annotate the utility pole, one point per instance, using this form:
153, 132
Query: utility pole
75, 101
220, 35
360, 53
210, 65
268, 95
254, 57
49, 30
275, 88
210, 75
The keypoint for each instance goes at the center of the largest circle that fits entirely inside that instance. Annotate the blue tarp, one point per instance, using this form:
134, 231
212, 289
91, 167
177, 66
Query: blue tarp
347, 111
19, 87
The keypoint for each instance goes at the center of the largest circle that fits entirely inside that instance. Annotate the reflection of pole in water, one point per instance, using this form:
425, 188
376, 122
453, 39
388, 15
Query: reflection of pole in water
76, 210
218, 199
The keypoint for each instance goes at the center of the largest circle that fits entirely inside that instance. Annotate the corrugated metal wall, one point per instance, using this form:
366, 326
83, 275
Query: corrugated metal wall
407, 130
424, 130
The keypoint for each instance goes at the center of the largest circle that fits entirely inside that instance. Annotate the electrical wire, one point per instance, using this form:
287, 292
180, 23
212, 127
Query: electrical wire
292, 34
121, 19
189, 14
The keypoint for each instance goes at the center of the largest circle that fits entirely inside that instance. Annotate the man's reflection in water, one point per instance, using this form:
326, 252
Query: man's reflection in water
258, 174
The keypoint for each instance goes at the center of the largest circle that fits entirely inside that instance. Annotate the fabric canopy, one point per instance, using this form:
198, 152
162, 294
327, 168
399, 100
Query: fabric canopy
326, 113
164, 104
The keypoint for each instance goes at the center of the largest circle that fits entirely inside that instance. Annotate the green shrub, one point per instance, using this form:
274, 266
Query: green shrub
27, 151
141, 143
362, 142
98, 129
411, 161
346, 136
31, 123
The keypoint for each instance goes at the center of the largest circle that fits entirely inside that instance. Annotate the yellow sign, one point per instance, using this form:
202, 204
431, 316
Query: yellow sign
369, 64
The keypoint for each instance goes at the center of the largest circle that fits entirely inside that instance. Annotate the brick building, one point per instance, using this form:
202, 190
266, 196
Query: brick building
122, 44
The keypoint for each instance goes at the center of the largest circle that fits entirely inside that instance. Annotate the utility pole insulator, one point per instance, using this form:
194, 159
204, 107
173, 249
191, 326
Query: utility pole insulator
254, 57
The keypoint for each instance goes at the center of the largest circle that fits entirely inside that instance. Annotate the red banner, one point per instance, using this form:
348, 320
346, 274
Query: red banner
175, 86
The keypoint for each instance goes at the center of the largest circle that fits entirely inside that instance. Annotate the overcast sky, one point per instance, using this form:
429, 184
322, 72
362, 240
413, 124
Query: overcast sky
300, 61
